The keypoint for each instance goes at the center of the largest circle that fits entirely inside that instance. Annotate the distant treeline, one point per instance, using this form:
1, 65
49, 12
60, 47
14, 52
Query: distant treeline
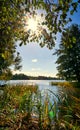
25, 77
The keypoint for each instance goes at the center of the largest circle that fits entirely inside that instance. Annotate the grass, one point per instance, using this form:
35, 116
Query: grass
69, 105
23, 107
66, 84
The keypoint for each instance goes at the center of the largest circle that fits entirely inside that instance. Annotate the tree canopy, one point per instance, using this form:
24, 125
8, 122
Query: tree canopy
8, 54
14, 15
55, 14
69, 54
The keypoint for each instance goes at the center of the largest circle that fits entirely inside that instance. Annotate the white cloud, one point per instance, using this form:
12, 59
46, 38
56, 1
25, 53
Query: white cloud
34, 60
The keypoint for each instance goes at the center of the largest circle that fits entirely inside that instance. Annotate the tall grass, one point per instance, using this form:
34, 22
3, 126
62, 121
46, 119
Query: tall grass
29, 104
25, 107
69, 107
66, 84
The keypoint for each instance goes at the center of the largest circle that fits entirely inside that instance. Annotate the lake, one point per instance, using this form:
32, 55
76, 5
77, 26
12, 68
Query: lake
49, 94
43, 85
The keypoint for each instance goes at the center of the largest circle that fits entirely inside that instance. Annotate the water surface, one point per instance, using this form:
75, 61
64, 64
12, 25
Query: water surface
42, 84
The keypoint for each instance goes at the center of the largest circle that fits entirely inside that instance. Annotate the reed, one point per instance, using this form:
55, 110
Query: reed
66, 84
25, 107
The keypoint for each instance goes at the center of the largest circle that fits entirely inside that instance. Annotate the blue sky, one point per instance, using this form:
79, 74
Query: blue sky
37, 61
40, 61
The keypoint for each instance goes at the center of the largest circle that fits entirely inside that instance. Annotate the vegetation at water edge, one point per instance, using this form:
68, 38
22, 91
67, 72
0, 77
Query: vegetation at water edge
25, 107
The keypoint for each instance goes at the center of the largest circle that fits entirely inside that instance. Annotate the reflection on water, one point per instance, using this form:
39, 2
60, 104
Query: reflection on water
47, 97
42, 84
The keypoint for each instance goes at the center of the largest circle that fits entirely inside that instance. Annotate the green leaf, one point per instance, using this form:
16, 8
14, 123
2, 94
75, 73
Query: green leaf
71, 12
74, 39
61, 2
3, 56
9, 28
21, 44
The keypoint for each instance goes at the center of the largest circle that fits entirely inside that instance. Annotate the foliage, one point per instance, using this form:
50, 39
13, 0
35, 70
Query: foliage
8, 59
69, 109
12, 15
20, 77
69, 54
8, 54
69, 105
24, 107
66, 84
24, 77
56, 17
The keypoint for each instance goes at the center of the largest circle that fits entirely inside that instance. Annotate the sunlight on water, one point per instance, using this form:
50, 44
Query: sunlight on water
44, 85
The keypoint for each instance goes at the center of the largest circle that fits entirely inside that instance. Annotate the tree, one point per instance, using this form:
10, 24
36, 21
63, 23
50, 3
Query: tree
69, 54
14, 13
12, 26
20, 77
8, 54
56, 18
8, 57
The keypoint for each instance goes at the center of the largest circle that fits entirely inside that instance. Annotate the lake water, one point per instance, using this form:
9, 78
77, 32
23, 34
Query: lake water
43, 85
48, 93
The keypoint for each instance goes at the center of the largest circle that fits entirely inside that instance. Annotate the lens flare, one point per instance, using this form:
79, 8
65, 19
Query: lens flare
32, 24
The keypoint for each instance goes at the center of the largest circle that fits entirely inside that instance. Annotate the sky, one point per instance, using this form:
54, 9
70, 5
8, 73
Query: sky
37, 61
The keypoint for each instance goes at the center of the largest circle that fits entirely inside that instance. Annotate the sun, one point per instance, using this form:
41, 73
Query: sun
32, 24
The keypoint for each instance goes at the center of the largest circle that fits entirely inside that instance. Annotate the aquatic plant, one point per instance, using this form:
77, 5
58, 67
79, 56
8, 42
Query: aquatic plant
25, 107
